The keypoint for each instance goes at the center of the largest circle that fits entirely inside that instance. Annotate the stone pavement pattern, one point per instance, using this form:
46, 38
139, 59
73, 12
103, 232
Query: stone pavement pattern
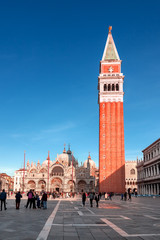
67, 219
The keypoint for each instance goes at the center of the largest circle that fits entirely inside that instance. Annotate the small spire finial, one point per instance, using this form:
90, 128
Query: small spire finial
110, 29
48, 158
64, 151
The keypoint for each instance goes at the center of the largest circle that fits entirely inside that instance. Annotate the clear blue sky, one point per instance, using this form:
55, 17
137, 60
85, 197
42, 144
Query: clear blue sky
49, 66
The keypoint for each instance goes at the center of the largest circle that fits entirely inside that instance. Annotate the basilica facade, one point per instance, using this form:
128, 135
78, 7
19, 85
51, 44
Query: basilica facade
63, 175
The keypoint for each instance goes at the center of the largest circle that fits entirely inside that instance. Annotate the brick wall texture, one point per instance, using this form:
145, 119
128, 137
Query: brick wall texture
111, 148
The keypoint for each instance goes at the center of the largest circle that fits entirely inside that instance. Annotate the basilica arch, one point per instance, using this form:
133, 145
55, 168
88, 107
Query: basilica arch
31, 184
91, 186
82, 186
57, 171
56, 185
71, 185
33, 170
42, 185
43, 170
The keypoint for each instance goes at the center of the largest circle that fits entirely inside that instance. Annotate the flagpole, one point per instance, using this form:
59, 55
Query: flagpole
72, 171
24, 169
48, 170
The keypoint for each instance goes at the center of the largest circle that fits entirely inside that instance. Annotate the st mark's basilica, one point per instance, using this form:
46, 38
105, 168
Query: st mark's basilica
62, 175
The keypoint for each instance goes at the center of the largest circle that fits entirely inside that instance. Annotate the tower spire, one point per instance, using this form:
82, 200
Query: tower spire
64, 151
48, 158
110, 51
110, 29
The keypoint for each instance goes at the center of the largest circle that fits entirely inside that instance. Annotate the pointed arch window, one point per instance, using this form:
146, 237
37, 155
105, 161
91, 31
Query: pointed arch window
117, 87
113, 88
109, 87
132, 171
105, 87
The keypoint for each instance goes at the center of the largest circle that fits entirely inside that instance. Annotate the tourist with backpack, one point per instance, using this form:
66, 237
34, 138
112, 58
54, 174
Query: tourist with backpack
91, 196
30, 196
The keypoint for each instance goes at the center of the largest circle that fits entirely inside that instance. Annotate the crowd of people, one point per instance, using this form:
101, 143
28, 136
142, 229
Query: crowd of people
92, 196
32, 201
35, 200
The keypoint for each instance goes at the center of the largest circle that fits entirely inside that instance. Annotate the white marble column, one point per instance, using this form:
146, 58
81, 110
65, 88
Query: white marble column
157, 169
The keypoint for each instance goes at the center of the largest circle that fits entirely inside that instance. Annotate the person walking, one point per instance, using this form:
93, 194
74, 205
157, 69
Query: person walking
129, 194
110, 196
125, 196
100, 195
97, 198
38, 201
29, 201
18, 199
3, 197
91, 196
122, 195
83, 198
34, 198
44, 199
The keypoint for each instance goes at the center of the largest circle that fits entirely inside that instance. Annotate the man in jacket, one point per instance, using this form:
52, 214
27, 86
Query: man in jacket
18, 199
91, 196
44, 199
3, 196
83, 198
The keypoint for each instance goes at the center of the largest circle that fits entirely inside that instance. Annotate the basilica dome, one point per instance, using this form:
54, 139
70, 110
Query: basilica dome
66, 158
45, 163
91, 162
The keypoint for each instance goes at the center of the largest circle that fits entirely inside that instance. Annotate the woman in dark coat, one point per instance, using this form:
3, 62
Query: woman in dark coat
83, 198
96, 199
18, 199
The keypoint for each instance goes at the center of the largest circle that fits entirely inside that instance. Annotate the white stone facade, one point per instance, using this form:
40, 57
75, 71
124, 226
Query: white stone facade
63, 175
149, 170
4, 184
131, 175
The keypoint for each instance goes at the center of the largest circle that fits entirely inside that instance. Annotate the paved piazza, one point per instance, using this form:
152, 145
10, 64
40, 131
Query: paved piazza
67, 219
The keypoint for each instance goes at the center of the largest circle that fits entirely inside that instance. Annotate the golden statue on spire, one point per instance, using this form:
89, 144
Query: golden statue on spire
110, 29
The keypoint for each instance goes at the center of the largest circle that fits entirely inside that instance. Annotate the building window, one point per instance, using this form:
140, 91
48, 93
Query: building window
109, 87
117, 87
132, 171
104, 156
103, 125
104, 167
104, 145
103, 115
113, 87
104, 135
105, 87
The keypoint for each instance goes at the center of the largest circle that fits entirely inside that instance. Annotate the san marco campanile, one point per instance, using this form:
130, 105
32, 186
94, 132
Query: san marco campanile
111, 123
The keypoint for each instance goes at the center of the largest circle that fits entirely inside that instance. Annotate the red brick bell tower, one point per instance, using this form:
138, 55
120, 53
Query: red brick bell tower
111, 124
